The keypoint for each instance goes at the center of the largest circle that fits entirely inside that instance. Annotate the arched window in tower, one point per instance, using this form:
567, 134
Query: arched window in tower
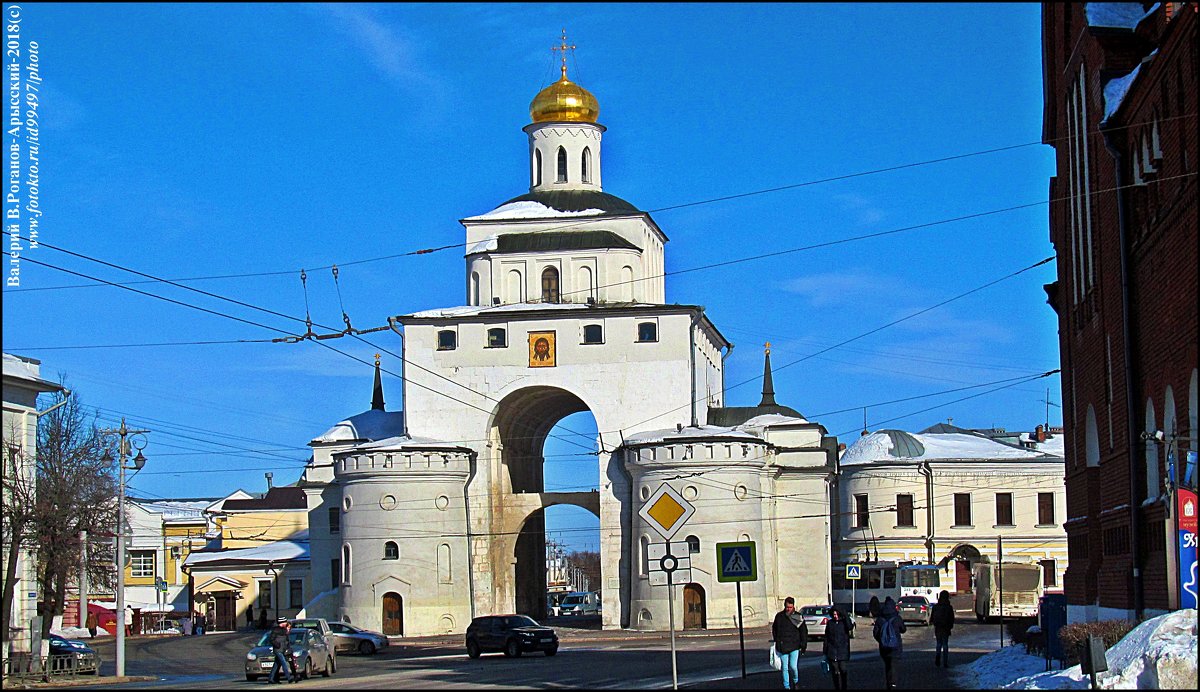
550, 285
474, 288
537, 167
625, 287
587, 165
444, 569
562, 165
391, 551
346, 564
584, 286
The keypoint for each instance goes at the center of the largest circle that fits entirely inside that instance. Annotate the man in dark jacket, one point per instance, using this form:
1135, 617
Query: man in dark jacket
942, 619
281, 650
790, 635
888, 628
837, 646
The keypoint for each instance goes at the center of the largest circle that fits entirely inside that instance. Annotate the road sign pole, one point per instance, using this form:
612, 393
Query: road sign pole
741, 631
853, 597
671, 618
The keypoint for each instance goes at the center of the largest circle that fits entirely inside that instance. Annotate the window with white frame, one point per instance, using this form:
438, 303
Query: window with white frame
141, 563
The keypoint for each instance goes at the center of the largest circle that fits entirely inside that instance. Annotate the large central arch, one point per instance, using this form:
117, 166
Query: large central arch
519, 429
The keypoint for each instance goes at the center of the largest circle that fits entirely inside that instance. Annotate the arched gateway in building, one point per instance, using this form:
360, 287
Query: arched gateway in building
565, 312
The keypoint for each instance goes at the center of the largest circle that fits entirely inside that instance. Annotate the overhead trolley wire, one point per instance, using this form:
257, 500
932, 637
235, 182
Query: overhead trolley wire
683, 205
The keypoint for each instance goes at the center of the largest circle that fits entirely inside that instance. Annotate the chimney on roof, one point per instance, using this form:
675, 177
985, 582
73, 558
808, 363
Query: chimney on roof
1040, 433
768, 394
377, 394
269, 476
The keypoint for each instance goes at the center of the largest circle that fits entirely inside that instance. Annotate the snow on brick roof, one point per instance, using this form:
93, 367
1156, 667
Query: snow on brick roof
368, 425
880, 447
1117, 15
1115, 90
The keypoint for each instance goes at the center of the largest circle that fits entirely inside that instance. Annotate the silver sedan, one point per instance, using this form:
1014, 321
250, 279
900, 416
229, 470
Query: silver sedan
348, 638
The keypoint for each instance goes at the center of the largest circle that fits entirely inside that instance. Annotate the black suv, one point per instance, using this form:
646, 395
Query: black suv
512, 634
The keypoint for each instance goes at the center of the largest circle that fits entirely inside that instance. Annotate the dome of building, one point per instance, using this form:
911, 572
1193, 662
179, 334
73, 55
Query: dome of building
564, 102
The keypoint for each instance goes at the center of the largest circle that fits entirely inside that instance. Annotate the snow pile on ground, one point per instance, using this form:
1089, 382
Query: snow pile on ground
1158, 654
994, 670
78, 632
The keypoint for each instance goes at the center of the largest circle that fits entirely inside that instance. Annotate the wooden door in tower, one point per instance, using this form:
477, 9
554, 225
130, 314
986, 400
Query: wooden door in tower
393, 614
694, 617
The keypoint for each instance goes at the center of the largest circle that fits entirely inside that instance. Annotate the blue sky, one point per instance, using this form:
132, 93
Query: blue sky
195, 140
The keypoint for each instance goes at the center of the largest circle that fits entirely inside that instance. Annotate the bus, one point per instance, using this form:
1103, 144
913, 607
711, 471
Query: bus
884, 579
920, 580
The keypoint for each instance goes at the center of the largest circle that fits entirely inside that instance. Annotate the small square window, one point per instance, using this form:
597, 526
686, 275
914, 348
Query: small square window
497, 338
593, 334
647, 331
447, 340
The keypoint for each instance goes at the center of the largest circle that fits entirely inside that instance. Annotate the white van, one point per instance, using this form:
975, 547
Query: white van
581, 603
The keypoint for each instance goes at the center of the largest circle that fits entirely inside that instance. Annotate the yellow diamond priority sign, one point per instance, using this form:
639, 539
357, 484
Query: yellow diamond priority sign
666, 511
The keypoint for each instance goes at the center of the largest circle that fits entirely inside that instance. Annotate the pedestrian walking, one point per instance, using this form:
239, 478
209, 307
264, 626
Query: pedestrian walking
281, 650
90, 624
790, 635
837, 646
128, 620
888, 628
201, 624
942, 619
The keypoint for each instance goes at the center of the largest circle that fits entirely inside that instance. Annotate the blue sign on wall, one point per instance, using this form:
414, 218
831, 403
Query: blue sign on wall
1186, 508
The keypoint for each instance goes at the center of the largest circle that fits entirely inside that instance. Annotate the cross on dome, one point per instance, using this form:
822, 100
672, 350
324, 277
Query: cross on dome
564, 48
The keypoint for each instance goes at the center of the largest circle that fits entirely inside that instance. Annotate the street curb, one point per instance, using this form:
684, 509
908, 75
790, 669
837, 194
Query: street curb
105, 681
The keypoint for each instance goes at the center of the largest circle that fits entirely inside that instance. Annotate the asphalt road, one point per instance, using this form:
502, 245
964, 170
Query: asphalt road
587, 659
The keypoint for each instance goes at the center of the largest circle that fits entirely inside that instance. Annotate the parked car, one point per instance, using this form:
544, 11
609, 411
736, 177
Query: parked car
512, 634
348, 638
321, 625
581, 603
62, 650
308, 648
915, 609
817, 616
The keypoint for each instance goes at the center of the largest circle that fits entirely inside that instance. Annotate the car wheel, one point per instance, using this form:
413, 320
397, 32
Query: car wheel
251, 678
308, 669
366, 648
473, 649
327, 671
512, 649
552, 650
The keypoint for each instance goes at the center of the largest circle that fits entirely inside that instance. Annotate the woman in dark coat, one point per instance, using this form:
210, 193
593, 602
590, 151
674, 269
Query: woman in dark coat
837, 646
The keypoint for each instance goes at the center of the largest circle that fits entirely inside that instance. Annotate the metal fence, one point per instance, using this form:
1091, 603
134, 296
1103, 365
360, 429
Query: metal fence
20, 666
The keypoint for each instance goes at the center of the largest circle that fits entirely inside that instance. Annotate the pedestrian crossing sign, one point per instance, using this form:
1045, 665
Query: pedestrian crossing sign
737, 562
853, 572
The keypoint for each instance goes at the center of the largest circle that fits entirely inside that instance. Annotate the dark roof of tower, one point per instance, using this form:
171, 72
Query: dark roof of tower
561, 240
730, 416
578, 200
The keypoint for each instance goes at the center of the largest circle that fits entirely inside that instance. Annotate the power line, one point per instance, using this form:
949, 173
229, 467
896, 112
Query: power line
711, 200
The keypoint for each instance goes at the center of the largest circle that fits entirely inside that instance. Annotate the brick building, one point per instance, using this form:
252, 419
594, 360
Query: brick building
1120, 111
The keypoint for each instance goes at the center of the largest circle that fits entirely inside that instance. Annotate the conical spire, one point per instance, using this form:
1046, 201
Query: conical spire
768, 397
377, 395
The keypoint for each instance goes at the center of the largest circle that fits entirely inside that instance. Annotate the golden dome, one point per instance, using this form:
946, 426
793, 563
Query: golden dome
564, 101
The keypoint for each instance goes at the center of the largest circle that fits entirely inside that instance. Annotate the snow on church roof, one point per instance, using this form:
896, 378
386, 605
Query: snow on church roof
467, 310
400, 443
892, 445
528, 209
750, 431
368, 425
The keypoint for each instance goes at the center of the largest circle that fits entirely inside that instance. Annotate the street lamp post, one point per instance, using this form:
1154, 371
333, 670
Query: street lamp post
274, 572
123, 449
